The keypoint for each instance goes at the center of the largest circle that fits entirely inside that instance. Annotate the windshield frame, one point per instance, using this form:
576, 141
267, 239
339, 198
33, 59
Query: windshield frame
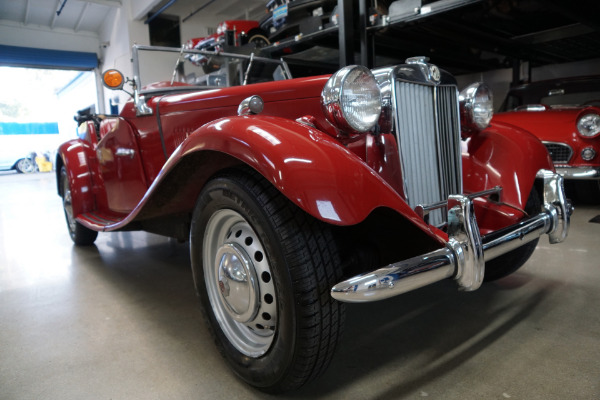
137, 83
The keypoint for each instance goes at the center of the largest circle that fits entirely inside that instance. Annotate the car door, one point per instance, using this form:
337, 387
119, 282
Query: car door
120, 165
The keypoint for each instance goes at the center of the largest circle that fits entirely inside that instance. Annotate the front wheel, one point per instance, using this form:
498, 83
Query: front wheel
510, 262
263, 270
588, 191
80, 235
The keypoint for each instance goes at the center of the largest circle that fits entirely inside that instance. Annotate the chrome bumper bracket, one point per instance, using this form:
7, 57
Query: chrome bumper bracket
466, 251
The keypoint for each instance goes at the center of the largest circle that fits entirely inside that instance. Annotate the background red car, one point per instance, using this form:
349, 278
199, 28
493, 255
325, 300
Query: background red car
565, 115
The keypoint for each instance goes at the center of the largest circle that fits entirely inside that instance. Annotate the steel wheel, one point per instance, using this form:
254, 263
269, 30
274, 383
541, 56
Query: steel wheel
25, 166
263, 270
239, 283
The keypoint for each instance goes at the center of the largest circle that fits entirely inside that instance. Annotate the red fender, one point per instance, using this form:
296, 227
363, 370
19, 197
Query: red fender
507, 156
75, 155
309, 167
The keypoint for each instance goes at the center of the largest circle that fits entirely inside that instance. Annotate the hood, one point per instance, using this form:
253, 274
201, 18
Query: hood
551, 124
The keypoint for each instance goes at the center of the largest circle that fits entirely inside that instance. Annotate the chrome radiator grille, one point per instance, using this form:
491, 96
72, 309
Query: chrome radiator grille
428, 133
559, 152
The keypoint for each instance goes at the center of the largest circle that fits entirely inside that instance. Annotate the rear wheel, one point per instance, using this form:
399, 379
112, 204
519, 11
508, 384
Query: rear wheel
80, 235
510, 262
263, 270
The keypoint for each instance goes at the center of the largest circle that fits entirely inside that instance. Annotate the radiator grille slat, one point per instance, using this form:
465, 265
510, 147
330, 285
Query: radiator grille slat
429, 143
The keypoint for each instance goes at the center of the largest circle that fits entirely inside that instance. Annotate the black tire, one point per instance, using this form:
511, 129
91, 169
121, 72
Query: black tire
259, 41
80, 235
588, 191
285, 331
510, 262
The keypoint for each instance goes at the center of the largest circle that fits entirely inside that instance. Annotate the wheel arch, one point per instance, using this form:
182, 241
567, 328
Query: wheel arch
307, 166
508, 156
74, 156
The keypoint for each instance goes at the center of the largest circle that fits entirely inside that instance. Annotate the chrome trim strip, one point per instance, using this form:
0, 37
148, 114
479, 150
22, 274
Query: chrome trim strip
578, 172
466, 252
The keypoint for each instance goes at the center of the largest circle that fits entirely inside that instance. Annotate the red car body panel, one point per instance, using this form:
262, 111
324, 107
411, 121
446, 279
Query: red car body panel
557, 125
503, 155
308, 165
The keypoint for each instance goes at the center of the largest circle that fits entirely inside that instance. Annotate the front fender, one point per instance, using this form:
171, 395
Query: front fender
74, 155
507, 156
308, 166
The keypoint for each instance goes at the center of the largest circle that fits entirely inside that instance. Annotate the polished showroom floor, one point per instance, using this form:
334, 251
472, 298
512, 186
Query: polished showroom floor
120, 320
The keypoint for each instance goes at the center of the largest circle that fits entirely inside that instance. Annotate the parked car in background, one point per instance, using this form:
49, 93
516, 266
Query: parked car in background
23, 164
294, 18
565, 115
230, 33
298, 195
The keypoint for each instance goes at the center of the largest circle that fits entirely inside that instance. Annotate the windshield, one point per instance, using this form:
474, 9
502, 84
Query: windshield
566, 93
181, 68
570, 99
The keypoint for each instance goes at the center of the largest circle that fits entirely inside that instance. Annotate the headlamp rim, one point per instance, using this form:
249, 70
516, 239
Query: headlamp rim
331, 99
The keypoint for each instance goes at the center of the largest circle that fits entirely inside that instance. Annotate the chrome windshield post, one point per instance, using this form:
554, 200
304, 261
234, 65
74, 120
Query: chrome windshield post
140, 101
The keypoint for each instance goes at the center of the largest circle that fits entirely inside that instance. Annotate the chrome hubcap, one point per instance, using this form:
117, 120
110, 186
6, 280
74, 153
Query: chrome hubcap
239, 283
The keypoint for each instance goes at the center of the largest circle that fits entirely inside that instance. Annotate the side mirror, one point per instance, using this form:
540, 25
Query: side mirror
113, 79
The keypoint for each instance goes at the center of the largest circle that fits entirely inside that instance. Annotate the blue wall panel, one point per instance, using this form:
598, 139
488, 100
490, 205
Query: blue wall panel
46, 58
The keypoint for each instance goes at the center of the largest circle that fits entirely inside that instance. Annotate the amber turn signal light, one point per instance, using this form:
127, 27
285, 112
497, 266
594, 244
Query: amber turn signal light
113, 79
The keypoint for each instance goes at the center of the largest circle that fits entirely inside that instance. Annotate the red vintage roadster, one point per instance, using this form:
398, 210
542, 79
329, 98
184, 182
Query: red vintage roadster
564, 114
298, 195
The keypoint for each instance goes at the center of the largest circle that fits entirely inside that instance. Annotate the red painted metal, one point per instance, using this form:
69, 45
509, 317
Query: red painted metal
557, 125
336, 178
504, 155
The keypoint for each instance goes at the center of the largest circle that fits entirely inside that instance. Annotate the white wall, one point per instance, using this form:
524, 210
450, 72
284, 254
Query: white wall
15, 34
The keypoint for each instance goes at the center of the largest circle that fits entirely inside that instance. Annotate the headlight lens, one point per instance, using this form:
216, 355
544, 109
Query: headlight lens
351, 99
476, 106
589, 125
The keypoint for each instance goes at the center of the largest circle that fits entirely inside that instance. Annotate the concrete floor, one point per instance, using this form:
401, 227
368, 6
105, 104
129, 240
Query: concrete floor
120, 321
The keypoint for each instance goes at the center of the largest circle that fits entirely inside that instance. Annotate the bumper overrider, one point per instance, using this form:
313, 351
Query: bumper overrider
466, 251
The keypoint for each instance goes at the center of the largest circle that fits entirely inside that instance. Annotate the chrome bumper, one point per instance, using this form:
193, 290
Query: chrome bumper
466, 251
578, 172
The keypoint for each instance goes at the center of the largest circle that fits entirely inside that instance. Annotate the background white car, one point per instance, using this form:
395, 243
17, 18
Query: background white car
24, 164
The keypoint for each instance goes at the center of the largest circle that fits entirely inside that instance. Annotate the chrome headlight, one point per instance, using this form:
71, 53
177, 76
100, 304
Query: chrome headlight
351, 99
476, 107
589, 125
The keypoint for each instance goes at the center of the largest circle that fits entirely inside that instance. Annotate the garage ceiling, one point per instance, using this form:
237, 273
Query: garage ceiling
89, 15
76, 15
